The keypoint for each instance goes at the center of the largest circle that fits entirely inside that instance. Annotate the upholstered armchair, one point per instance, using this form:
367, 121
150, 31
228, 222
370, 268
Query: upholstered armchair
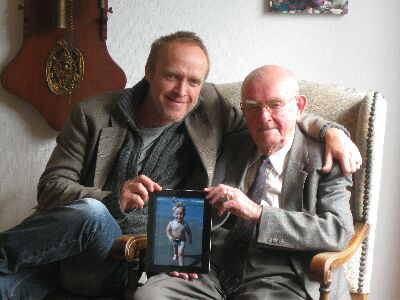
364, 114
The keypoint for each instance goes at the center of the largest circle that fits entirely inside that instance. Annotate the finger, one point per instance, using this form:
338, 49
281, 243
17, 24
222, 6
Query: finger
228, 205
149, 184
183, 276
193, 276
345, 163
353, 165
137, 201
213, 201
140, 190
216, 193
157, 187
212, 191
128, 200
223, 208
132, 186
174, 274
358, 157
217, 205
328, 162
131, 201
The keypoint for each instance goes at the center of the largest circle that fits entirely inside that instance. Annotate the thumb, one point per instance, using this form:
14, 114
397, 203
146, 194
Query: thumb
328, 163
157, 187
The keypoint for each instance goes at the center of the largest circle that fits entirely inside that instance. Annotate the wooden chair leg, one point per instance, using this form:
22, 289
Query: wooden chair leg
324, 290
359, 296
133, 278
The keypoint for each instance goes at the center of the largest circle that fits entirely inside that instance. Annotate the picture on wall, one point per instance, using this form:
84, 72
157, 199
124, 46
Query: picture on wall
336, 7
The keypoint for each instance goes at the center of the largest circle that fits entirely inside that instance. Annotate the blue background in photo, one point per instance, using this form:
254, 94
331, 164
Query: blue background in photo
163, 250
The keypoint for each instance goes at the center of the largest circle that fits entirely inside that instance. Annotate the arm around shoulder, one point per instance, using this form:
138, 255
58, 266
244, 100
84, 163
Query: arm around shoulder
316, 126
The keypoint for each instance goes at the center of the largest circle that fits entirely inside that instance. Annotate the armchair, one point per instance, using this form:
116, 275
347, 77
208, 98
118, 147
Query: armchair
363, 113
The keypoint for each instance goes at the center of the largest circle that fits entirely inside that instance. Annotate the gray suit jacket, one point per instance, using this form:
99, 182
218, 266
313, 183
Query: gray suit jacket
314, 214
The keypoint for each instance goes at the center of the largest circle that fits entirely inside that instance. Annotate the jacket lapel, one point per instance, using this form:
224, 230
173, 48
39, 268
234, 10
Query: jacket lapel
292, 196
231, 168
110, 142
295, 175
205, 139
237, 165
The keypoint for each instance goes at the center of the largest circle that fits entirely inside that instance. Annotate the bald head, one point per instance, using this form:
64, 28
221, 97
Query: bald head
272, 77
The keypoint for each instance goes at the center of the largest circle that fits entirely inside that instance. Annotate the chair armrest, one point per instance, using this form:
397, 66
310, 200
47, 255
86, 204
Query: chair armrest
324, 263
127, 247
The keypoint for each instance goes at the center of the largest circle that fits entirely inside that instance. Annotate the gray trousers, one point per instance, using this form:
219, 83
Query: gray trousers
163, 286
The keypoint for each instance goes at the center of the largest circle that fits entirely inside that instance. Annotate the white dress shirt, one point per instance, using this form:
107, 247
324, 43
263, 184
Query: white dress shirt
273, 184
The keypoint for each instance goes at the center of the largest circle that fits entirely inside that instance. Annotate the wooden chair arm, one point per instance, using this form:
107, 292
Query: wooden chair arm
324, 263
127, 247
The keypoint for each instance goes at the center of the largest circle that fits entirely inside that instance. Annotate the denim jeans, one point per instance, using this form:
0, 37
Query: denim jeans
65, 247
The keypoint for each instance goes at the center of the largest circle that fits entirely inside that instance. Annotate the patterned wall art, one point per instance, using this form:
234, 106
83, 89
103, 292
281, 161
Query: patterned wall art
335, 7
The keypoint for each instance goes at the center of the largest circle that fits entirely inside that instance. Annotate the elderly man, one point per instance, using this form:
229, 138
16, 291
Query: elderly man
277, 207
114, 150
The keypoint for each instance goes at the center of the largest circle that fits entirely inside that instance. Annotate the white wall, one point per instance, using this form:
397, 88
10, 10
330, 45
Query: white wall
361, 50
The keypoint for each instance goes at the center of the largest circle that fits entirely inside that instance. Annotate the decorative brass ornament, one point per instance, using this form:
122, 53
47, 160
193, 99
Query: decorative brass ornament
64, 68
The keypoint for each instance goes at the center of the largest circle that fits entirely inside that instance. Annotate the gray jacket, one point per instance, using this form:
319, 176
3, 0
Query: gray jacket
314, 215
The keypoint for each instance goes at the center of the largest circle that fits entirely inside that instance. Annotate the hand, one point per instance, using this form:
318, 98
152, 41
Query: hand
183, 275
135, 192
340, 147
225, 198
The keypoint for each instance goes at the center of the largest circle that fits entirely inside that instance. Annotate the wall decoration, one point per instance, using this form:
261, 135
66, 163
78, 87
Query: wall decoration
63, 58
336, 7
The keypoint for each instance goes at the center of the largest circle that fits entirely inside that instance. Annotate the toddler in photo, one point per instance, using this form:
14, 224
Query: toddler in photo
176, 232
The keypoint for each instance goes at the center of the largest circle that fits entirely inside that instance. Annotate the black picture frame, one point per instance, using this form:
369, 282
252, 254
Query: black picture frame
160, 249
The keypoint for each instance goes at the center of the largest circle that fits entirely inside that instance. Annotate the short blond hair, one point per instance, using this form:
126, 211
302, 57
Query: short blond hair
179, 36
177, 206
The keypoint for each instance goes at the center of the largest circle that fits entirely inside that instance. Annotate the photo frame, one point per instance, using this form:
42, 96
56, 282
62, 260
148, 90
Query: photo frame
334, 7
178, 232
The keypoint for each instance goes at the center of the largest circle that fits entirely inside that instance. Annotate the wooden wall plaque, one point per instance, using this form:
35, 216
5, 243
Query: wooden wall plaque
63, 58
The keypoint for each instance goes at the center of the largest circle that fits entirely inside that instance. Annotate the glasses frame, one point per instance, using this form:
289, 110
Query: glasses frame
267, 106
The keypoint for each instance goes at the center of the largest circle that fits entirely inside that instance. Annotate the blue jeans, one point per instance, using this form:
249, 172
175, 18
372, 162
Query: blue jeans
65, 247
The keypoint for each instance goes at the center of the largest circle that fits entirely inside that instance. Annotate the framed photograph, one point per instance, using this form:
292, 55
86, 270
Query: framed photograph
178, 232
336, 7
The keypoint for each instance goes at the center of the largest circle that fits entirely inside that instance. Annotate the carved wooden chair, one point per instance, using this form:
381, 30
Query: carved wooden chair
364, 114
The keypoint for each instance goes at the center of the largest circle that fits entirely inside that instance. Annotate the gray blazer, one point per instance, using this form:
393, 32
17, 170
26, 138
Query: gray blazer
314, 214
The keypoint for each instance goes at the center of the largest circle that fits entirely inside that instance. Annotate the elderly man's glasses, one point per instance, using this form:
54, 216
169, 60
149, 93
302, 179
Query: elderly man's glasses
254, 107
